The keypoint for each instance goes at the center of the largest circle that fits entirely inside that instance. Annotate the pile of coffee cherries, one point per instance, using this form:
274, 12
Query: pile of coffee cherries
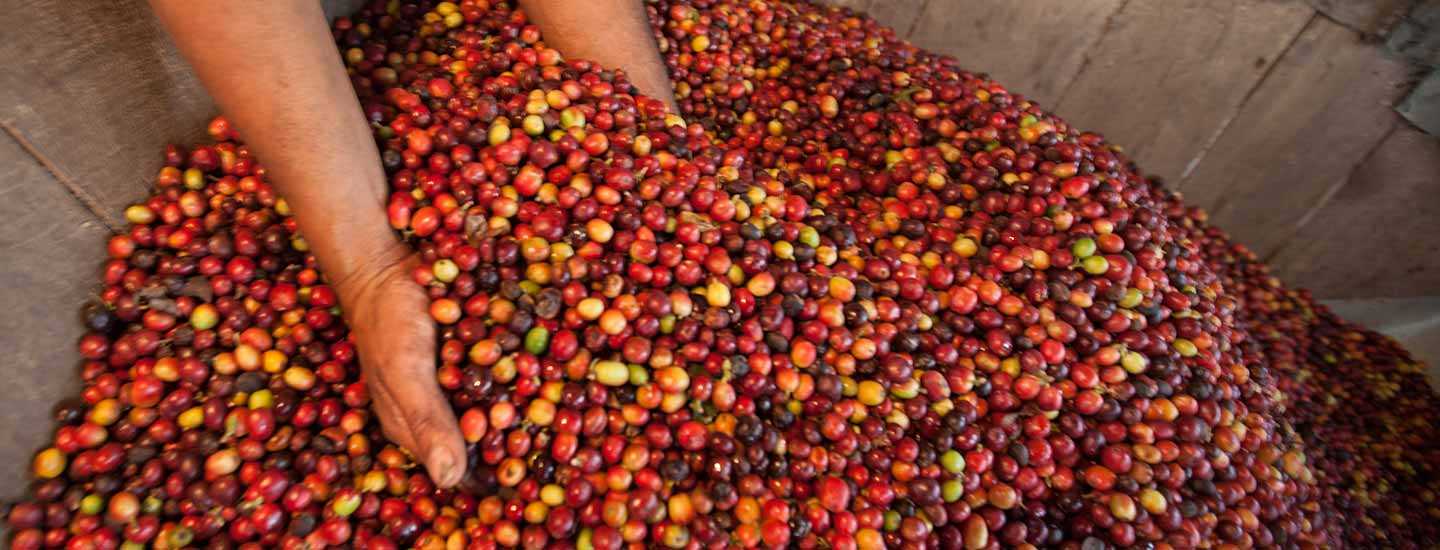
1360, 402
852, 296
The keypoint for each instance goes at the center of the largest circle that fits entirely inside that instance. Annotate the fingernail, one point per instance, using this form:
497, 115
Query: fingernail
440, 466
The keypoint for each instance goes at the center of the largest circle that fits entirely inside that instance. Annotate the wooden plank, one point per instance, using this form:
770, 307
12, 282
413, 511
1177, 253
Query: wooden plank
1368, 16
1379, 236
1166, 75
857, 5
52, 247
1422, 106
900, 15
1322, 108
1033, 47
101, 100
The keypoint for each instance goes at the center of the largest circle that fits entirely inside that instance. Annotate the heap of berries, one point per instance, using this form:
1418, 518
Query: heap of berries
1360, 401
852, 296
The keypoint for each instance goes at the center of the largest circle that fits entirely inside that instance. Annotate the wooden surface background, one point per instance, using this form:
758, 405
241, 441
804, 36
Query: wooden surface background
1275, 116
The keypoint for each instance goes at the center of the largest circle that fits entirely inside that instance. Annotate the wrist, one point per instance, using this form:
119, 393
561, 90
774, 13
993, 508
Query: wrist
374, 265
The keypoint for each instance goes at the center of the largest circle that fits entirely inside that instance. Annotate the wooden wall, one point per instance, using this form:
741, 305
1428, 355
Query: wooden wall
1274, 115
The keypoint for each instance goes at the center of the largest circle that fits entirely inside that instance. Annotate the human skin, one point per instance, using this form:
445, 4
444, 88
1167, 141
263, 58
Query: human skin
274, 70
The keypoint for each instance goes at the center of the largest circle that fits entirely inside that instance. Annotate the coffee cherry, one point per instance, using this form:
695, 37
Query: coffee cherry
851, 296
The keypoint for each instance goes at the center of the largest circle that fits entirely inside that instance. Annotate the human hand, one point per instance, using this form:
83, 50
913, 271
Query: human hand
337, 188
395, 338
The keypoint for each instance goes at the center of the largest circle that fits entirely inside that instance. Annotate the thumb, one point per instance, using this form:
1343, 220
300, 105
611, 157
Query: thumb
436, 434
425, 420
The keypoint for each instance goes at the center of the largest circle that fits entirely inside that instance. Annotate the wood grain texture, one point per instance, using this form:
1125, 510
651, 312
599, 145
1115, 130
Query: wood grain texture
1367, 16
1379, 236
1034, 47
1167, 75
1323, 107
901, 15
52, 247
100, 100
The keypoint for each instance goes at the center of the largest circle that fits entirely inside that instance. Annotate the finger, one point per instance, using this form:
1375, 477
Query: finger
392, 423
438, 436
426, 424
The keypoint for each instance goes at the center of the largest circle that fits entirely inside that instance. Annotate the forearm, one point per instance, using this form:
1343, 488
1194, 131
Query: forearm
613, 33
277, 76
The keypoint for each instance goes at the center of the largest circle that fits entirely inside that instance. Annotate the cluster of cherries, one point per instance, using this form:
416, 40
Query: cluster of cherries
852, 296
